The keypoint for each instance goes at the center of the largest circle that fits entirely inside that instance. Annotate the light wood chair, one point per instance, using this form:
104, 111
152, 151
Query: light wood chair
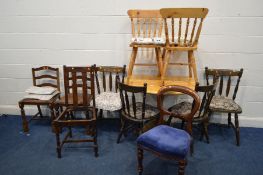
147, 28
182, 30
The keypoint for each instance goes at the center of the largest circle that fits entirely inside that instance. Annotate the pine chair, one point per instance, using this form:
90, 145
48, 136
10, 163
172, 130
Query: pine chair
182, 30
107, 79
202, 115
165, 141
147, 27
224, 103
44, 76
79, 85
135, 113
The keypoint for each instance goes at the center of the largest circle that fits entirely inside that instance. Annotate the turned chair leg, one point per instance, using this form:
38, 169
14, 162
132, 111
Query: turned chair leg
39, 111
140, 159
96, 149
237, 130
182, 164
24, 121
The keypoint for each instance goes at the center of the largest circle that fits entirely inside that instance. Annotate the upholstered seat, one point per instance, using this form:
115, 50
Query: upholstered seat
224, 104
166, 140
150, 111
109, 101
183, 108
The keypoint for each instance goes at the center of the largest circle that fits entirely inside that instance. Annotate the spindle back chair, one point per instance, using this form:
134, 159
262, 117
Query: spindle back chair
182, 30
147, 32
225, 102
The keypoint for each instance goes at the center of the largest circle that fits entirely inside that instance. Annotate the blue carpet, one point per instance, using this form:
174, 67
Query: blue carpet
36, 153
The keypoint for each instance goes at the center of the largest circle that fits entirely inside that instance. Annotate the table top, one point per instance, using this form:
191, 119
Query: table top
154, 83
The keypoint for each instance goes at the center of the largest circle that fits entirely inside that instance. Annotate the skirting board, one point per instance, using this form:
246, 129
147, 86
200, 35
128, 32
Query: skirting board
215, 118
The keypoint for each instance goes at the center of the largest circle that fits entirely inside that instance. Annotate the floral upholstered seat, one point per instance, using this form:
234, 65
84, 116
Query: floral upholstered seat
150, 111
224, 104
109, 101
182, 109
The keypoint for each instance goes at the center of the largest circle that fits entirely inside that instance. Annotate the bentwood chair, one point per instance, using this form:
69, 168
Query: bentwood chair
182, 30
165, 141
146, 27
224, 103
202, 115
44, 76
135, 113
107, 79
79, 85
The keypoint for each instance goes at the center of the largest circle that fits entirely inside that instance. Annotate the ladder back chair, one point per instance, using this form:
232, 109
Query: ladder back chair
165, 141
207, 92
79, 85
107, 79
223, 102
182, 30
135, 113
44, 76
147, 29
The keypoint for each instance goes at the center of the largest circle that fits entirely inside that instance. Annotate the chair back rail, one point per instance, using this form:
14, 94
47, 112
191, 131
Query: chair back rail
111, 76
46, 76
183, 25
146, 23
79, 81
128, 98
184, 90
223, 74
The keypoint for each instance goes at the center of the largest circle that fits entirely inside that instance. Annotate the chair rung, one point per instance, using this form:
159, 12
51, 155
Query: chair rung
179, 64
145, 64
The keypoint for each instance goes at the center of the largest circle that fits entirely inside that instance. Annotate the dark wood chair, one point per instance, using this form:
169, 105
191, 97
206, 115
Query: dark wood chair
79, 86
165, 141
107, 79
135, 112
44, 76
202, 115
224, 103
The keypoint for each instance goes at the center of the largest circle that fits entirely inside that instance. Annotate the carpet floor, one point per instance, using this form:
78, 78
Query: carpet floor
36, 153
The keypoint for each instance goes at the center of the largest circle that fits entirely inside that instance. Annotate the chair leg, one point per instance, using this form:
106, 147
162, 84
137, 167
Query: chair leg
189, 65
192, 146
95, 142
193, 64
24, 121
132, 62
122, 131
229, 120
237, 130
182, 124
140, 159
159, 60
165, 63
58, 143
206, 131
39, 111
182, 165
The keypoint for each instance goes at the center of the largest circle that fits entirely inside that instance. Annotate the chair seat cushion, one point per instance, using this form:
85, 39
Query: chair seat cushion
109, 101
166, 140
183, 108
224, 104
155, 40
150, 111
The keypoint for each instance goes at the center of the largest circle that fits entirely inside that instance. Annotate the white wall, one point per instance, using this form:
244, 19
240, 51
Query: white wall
83, 32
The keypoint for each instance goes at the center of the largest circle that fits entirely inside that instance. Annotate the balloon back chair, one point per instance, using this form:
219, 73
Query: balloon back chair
165, 141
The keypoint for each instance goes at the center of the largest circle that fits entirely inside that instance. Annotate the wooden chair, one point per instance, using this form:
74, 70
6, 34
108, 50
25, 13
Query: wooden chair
182, 30
202, 115
44, 76
107, 79
135, 113
147, 30
224, 103
165, 141
79, 87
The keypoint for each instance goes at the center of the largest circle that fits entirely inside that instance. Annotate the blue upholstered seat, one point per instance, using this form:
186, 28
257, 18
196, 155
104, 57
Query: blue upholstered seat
166, 140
